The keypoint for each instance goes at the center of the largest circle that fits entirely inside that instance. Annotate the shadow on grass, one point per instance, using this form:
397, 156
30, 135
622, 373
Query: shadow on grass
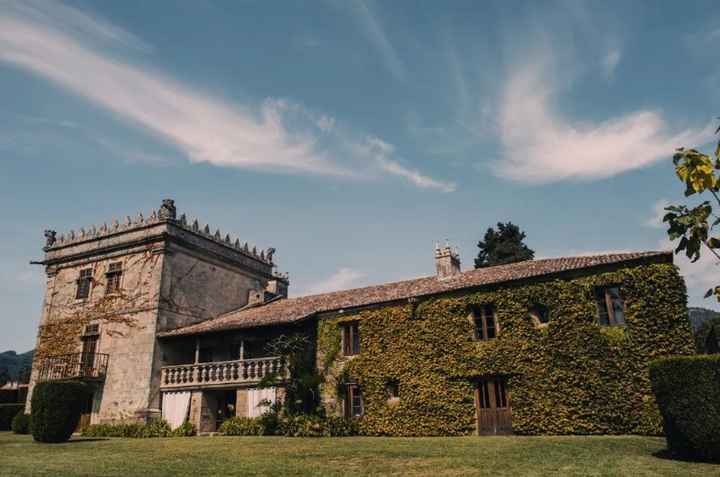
78, 440
667, 454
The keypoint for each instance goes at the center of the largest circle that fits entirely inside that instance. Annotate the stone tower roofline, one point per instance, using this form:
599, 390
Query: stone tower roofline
165, 214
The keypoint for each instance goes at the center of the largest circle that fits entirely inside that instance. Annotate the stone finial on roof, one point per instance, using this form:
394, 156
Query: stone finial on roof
50, 238
269, 254
167, 210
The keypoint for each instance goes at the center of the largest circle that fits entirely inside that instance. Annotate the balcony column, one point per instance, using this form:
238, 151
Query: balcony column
197, 350
242, 350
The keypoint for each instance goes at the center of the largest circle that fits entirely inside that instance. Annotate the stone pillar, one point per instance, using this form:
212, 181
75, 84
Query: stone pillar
241, 403
196, 409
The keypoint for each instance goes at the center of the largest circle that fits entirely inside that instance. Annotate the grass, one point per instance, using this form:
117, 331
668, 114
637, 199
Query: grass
357, 456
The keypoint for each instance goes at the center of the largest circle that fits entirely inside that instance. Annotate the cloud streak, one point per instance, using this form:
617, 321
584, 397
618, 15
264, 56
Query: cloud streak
541, 146
73, 50
373, 31
343, 279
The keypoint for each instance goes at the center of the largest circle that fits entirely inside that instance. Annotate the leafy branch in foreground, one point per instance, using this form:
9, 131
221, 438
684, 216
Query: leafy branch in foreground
695, 226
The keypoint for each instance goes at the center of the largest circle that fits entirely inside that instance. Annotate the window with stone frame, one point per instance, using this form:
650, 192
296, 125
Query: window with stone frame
484, 322
540, 315
350, 338
113, 278
84, 283
392, 389
353, 401
610, 305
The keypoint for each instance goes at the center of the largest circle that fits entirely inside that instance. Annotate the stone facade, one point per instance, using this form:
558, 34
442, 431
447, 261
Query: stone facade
172, 274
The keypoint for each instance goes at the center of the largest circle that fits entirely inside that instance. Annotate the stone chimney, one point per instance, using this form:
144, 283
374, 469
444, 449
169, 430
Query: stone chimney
277, 287
447, 261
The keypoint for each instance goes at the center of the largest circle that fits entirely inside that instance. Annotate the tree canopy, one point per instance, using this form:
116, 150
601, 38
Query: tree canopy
504, 245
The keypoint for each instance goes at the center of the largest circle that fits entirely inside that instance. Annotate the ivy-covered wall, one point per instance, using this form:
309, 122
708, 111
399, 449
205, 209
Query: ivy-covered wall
570, 377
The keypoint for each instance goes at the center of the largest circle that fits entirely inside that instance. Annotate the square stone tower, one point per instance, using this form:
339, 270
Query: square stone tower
111, 289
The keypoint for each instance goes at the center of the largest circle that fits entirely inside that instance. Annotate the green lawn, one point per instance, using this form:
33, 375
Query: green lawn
277, 456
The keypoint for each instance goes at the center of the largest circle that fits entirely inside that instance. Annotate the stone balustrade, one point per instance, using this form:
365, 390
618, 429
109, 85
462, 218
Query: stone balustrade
221, 373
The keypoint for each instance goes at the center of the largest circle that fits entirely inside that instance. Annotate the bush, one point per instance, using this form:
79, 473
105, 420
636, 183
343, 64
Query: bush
21, 423
687, 390
56, 408
301, 425
242, 426
7, 413
155, 428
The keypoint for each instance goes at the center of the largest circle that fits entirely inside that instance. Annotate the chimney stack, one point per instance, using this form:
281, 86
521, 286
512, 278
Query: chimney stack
447, 261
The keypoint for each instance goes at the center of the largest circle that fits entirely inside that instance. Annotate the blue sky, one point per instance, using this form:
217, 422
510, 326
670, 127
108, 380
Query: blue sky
350, 135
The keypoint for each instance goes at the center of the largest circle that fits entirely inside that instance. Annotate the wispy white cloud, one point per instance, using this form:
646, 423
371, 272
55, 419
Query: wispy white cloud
343, 279
382, 152
367, 20
540, 145
76, 52
611, 61
656, 219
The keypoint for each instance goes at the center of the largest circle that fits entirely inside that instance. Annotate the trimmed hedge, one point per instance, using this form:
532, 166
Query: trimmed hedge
7, 413
56, 408
289, 426
155, 428
572, 376
21, 423
687, 389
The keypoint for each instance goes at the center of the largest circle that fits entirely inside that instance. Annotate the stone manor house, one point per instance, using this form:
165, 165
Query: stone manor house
164, 316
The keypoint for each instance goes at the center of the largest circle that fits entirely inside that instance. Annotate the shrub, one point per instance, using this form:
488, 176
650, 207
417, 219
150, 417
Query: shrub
7, 413
341, 427
21, 423
302, 426
242, 426
155, 428
687, 390
56, 408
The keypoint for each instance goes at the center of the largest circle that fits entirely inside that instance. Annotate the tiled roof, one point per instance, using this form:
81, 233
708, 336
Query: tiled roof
289, 310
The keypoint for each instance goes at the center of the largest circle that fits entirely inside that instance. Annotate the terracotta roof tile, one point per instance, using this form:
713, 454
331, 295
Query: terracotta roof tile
289, 310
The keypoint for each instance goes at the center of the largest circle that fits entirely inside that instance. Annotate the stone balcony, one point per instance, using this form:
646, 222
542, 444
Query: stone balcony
82, 366
221, 373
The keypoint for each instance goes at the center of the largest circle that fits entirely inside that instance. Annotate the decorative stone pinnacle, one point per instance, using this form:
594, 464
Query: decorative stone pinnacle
50, 238
167, 210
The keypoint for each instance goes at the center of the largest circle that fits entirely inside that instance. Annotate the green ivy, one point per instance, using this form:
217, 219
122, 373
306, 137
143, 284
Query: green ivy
571, 377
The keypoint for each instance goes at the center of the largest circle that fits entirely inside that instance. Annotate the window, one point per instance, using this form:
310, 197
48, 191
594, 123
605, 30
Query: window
350, 338
353, 401
84, 282
540, 315
392, 390
611, 309
484, 322
113, 278
495, 389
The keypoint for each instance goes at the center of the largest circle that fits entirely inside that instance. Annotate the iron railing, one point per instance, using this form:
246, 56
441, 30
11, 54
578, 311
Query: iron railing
90, 366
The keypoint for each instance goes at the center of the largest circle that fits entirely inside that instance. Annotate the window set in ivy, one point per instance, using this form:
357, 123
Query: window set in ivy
84, 282
113, 276
484, 322
350, 338
611, 309
353, 401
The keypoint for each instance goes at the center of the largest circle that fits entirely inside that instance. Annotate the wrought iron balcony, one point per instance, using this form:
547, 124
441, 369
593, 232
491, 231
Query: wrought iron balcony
221, 373
84, 366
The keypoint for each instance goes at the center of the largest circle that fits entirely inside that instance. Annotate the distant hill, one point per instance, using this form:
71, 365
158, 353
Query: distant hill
698, 316
15, 363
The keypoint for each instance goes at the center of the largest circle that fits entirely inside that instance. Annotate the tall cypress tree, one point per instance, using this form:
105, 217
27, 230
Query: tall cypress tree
503, 246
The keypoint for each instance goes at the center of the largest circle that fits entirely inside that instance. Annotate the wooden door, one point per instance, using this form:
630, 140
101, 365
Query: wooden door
492, 402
